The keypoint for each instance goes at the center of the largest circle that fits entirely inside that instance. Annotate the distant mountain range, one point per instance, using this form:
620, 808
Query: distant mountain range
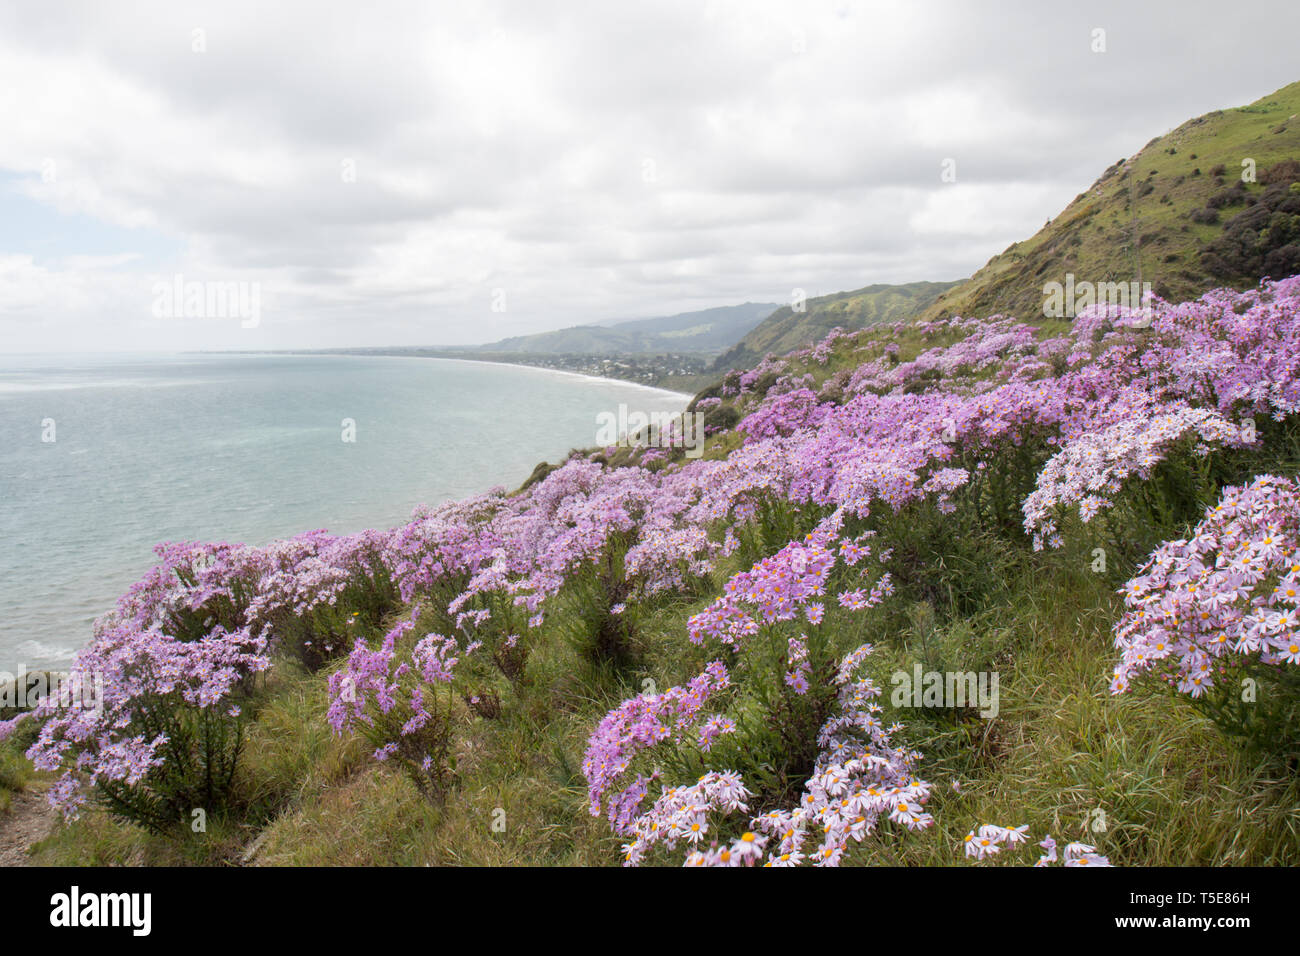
708, 330
786, 329
1178, 215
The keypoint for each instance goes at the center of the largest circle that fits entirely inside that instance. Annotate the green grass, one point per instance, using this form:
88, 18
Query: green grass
1064, 756
786, 330
15, 773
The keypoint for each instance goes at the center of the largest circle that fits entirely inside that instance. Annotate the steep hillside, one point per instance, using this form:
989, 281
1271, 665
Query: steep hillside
1174, 215
707, 330
786, 329
1178, 215
868, 511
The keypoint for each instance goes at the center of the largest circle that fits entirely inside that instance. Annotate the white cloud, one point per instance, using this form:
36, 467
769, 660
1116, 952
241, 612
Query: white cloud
505, 145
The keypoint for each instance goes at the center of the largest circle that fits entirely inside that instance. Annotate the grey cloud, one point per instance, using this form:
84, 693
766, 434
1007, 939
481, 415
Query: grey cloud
506, 144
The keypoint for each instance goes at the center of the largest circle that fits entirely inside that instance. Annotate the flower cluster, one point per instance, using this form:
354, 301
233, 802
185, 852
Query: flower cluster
990, 839
641, 723
859, 779
137, 673
1094, 465
776, 588
1229, 593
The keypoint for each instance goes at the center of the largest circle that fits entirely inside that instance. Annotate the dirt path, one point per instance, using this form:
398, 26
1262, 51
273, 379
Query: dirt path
29, 819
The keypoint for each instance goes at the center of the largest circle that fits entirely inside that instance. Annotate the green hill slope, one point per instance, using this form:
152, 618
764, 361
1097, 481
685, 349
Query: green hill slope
1176, 215
786, 329
708, 330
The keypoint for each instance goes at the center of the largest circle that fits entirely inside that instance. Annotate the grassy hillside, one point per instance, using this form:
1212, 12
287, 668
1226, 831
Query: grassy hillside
1172, 789
786, 330
1155, 215
1175, 790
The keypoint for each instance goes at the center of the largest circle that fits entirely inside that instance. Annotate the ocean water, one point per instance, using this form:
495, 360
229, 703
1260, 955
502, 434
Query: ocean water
151, 448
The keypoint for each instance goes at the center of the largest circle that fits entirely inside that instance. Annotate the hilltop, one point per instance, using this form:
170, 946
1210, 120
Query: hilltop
1170, 215
1177, 215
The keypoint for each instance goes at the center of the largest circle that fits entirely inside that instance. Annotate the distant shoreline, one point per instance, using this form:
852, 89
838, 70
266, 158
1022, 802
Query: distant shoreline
344, 353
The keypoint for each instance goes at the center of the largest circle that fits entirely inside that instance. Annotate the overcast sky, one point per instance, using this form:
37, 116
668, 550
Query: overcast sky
385, 173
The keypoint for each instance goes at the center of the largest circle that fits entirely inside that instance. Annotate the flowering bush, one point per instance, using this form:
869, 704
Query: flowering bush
806, 726
1094, 465
858, 780
643, 722
400, 699
785, 413
164, 735
316, 593
1217, 614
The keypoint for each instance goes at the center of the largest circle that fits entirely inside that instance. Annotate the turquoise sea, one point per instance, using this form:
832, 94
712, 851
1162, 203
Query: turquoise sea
212, 447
